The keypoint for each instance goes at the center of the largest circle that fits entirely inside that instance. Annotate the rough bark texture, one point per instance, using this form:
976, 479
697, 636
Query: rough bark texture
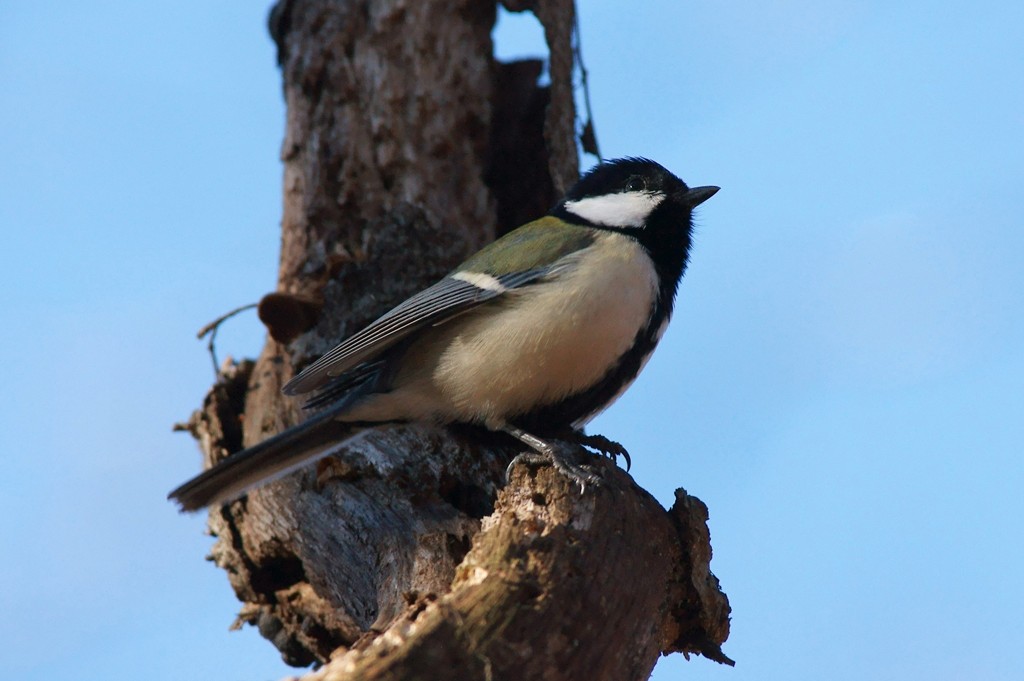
406, 556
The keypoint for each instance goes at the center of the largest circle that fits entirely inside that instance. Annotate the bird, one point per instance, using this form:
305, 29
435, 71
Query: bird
532, 336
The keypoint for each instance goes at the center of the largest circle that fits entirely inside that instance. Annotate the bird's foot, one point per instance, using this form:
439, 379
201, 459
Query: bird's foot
563, 464
563, 456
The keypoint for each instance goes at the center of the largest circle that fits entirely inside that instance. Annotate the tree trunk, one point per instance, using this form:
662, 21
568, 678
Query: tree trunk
406, 555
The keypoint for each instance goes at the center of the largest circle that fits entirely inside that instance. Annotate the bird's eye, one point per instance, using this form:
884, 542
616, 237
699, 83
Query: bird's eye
636, 184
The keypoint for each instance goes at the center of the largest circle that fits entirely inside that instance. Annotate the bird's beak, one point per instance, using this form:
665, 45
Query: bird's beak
698, 195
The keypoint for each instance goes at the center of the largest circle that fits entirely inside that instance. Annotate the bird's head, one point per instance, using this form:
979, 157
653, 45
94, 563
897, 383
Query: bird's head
640, 198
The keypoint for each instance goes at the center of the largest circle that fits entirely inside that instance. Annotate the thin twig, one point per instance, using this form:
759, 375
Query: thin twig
211, 330
589, 130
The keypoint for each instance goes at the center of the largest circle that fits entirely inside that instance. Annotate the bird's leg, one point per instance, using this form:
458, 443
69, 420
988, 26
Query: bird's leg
600, 443
547, 452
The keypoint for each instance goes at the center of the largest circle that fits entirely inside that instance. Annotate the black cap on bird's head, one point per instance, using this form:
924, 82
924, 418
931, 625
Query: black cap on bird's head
622, 175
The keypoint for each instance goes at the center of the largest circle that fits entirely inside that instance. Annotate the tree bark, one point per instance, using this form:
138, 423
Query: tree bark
406, 555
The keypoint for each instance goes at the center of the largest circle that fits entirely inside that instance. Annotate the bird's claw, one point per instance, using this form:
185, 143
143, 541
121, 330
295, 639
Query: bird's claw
606, 447
560, 459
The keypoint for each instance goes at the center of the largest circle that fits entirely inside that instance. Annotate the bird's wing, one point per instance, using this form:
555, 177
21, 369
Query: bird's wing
443, 300
547, 241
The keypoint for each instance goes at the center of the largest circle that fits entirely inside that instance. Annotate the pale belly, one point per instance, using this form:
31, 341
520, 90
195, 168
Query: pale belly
491, 365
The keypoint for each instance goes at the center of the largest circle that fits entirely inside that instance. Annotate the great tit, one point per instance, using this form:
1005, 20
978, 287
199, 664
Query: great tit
533, 335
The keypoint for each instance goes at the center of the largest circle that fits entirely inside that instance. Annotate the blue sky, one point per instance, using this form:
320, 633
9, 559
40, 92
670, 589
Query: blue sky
842, 383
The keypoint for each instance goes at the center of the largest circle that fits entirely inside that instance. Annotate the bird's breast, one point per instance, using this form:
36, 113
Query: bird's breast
550, 340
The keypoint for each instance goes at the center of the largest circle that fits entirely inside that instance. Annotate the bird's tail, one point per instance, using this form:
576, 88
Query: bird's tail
264, 462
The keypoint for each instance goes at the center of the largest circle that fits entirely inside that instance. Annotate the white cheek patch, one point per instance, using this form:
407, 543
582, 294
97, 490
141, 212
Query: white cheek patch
480, 280
626, 209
